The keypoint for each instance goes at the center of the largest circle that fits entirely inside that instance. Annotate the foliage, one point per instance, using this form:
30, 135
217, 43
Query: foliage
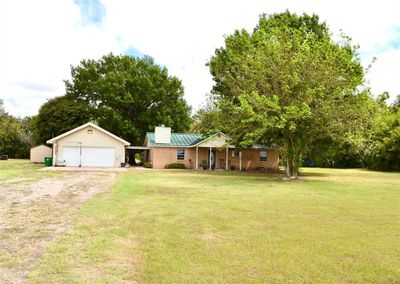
350, 149
59, 115
15, 135
385, 138
147, 165
175, 166
208, 119
373, 143
138, 157
129, 96
288, 83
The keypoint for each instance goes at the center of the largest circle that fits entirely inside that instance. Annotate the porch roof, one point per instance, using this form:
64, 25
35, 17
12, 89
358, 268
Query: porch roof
137, 148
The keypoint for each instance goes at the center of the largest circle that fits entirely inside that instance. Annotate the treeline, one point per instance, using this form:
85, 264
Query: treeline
288, 84
15, 134
373, 142
125, 95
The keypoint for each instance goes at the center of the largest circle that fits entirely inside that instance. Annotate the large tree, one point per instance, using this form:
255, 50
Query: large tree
385, 138
15, 135
59, 115
208, 118
129, 96
288, 83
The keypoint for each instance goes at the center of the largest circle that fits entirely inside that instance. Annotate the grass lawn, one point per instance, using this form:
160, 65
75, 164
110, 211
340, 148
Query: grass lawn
199, 227
19, 169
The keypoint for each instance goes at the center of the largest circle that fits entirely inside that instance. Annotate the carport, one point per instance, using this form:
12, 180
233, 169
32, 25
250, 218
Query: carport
132, 150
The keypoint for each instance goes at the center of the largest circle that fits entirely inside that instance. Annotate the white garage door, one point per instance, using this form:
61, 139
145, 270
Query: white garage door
90, 157
71, 156
98, 157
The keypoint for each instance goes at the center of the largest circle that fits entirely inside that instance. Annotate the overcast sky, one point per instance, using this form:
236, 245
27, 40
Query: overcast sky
39, 40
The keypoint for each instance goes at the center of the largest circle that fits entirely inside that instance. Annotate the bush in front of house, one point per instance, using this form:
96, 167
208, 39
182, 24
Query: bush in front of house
147, 165
175, 166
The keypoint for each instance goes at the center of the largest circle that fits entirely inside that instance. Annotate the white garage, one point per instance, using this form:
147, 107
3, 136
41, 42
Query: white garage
89, 156
88, 146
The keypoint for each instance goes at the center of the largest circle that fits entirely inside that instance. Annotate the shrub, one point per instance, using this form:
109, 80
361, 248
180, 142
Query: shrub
175, 166
232, 167
147, 165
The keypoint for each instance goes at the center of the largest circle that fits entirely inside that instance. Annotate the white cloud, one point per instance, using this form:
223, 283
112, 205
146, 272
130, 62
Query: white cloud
41, 39
385, 73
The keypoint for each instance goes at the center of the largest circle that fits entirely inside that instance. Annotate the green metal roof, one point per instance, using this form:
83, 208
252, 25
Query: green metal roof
177, 140
189, 139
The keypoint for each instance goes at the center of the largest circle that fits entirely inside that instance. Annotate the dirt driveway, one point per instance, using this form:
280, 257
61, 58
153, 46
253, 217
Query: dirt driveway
33, 214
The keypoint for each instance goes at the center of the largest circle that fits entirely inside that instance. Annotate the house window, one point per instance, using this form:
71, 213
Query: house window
263, 156
180, 154
235, 153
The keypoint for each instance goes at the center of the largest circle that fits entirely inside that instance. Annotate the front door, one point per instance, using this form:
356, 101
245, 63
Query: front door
212, 158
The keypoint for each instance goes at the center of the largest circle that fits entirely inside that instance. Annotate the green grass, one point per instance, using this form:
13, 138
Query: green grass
14, 171
15, 168
333, 226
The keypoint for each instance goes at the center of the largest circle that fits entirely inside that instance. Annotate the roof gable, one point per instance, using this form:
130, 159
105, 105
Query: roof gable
218, 140
51, 141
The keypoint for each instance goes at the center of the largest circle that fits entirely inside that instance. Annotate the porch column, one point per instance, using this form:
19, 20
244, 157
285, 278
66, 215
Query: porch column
210, 157
226, 160
197, 158
240, 160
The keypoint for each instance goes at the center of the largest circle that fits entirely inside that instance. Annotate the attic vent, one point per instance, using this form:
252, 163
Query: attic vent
162, 135
90, 131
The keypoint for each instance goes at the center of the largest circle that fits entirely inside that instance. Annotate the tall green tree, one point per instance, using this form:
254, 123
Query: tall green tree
287, 83
59, 115
15, 135
208, 118
129, 96
385, 138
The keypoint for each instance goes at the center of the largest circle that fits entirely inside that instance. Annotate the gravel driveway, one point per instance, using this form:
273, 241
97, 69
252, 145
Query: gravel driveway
33, 214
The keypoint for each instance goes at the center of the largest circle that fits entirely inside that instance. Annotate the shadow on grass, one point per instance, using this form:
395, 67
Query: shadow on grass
252, 175
313, 174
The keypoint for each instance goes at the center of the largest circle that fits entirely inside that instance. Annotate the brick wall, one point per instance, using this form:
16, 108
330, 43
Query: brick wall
162, 156
250, 158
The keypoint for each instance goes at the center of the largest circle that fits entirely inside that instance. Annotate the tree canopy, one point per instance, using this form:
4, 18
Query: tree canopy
288, 83
125, 95
129, 96
208, 118
59, 115
384, 138
15, 134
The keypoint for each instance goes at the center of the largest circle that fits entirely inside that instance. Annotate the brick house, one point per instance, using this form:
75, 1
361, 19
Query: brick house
197, 151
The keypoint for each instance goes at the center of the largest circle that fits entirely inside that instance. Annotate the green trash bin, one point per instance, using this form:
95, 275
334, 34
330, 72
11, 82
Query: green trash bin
48, 161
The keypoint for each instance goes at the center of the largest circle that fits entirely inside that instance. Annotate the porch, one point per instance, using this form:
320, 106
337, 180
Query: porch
214, 153
210, 158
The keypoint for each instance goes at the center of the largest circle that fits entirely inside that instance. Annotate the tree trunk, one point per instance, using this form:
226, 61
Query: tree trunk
293, 158
292, 167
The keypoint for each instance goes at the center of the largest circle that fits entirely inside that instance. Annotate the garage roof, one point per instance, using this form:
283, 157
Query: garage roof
52, 140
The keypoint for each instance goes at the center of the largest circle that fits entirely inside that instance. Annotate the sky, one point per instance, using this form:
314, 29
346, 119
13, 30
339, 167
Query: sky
40, 40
